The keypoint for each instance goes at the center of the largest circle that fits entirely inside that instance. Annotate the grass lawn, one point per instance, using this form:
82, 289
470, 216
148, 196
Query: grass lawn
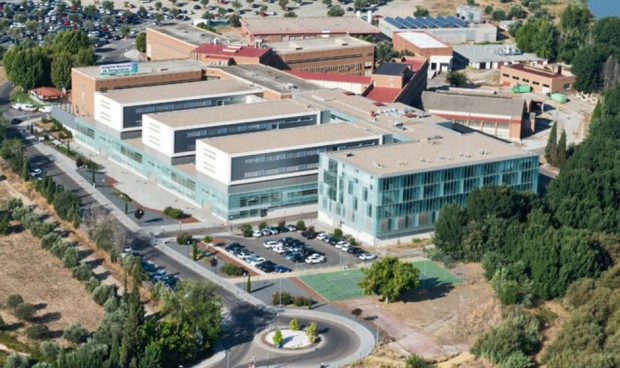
342, 285
22, 97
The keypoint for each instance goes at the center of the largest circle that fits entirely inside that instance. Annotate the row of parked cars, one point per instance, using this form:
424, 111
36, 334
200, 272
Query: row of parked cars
273, 230
345, 246
154, 272
295, 250
241, 252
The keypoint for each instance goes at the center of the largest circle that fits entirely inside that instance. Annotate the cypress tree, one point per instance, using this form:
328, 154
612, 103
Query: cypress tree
551, 150
562, 150
24, 172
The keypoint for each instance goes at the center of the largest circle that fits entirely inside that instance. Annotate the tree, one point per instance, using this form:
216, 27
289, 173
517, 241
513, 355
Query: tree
574, 29
26, 67
450, 230
277, 337
132, 339
143, 12
587, 66
294, 324
311, 331
61, 70
416, 361
384, 51
606, 31
124, 30
488, 9
74, 18
90, 11
389, 278
25, 311
236, 4
282, 4
71, 258
75, 333
174, 2
159, 18
457, 78
16, 360
158, 5
498, 14
5, 225
204, 3
551, 150
234, 20
13, 301
335, 11
301, 225
61, 6
561, 154
194, 251
327, 3
248, 285
421, 11
107, 5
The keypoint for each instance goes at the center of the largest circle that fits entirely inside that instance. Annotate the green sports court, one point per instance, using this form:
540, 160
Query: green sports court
342, 285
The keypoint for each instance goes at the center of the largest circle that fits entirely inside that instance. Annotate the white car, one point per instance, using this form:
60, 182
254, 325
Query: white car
257, 233
256, 261
46, 109
315, 258
322, 236
28, 108
367, 256
269, 244
341, 244
346, 247
291, 227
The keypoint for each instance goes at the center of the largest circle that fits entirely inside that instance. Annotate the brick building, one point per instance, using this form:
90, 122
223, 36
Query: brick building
177, 42
423, 44
278, 29
338, 55
231, 54
85, 81
542, 79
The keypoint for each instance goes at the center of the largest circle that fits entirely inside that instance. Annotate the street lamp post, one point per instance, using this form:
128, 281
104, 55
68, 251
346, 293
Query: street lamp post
377, 332
227, 358
162, 235
189, 249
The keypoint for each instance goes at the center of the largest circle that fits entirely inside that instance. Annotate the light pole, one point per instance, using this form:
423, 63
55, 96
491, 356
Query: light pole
227, 358
377, 333
180, 223
280, 294
340, 258
162, 235
189, 249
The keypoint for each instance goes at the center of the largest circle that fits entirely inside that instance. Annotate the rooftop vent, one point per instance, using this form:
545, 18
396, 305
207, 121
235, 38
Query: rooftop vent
401, 163
376, 164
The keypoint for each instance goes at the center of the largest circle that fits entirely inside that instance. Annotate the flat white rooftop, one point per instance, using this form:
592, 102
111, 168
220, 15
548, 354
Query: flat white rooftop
277, 140
227, 114
422, 40
147, 67
180, 91
307, 25
435, 148
316, 44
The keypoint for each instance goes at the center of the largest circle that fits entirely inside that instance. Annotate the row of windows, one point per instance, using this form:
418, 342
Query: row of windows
181, 105
280, 170
319, 59
232, 129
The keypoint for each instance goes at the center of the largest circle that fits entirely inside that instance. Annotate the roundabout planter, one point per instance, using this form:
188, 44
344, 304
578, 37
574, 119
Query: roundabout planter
294, 341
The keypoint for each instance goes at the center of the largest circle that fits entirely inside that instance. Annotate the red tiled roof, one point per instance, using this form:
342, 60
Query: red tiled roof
47, 92
331, 77
383, 94
230, 50
416, 63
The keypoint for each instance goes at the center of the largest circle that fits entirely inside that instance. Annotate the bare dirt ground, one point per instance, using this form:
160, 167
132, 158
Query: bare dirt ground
40, 279
439, 323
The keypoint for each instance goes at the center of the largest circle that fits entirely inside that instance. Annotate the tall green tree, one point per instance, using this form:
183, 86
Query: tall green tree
574, 27
551, 150
450, 230
389, 278
606, 31
61, 70
561, 150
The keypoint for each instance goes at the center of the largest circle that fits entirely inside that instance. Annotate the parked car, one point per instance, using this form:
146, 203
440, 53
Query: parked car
256, 261
267, 266
297, 258
28, 108
315, 258
367, 256
290, 255
322, 236
342, 243
266, 232
269, 244
232, 246
274, 230
46, 109
281, 269
257, 233
15, 121
290, 227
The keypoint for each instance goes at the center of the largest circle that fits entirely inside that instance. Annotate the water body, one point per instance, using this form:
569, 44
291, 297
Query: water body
605, 8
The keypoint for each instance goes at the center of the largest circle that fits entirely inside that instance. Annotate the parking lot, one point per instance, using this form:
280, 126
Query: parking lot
333, 256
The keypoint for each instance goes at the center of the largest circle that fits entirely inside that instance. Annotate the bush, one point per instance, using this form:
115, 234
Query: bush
13, 301
25, 311
416, 361
262, 225
294, 324
338, 233
2, 323
59, 249
498, 14
14, 203
277, 337
488, 9
301, 225
82, 272
16, 360
284, 298
232, 270
311, 331
75, 333
49, 350
246, 230
71, 258
301, 301
92, 284
111, 305
48, 240
102, 293
175, 213
37, 331
352, 241
184, 238
40, 229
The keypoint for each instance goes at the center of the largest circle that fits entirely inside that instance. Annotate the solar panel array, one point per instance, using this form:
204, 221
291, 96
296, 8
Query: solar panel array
426, 22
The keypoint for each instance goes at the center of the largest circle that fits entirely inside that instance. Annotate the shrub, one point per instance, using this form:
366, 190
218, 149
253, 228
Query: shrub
416, 361
246, 230
111, 305
49, 350
184, 238
294, 324
232, 270
277, 337
71, 258
102, 293
284, 298
338, 233
82, 272
75, 333
37, 331
16, 360
18, 213
301, 301
48, 240
59, 249
25, 311
40, 229
175, 213
301, 225
262, 225
356, 312
14, 203
92, 284
488, 9
2, 323
13, 301
352, 241
311, 331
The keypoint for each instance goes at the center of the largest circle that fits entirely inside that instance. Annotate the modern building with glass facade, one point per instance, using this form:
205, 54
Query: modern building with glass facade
392, 191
